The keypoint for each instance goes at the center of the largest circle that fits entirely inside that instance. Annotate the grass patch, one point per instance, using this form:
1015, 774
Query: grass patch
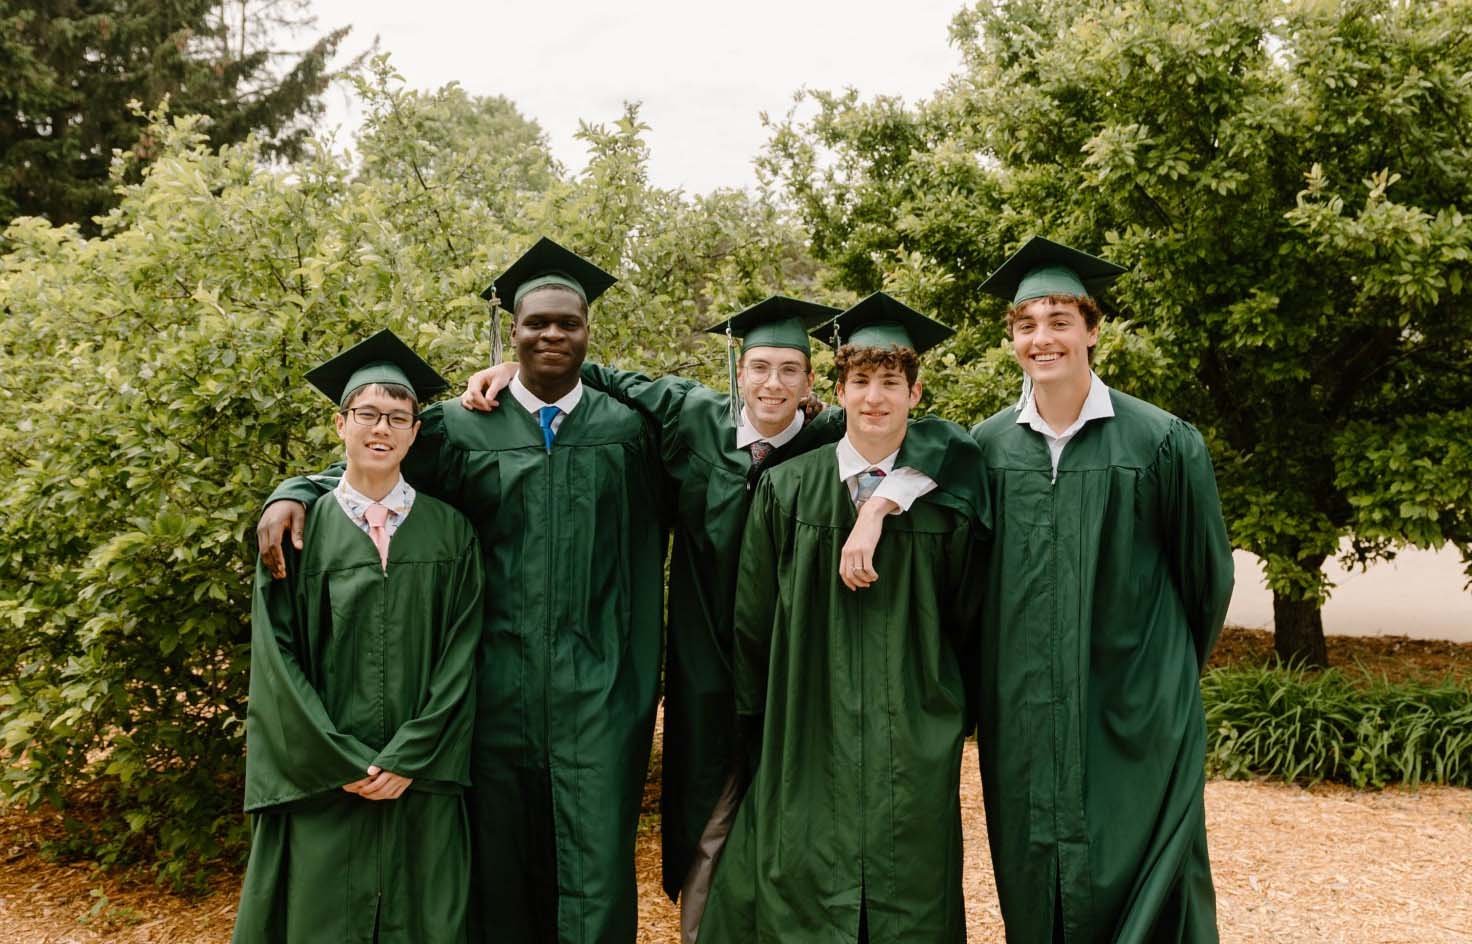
1359, 729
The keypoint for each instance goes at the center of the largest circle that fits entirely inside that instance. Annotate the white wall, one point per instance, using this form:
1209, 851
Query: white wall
1419, 594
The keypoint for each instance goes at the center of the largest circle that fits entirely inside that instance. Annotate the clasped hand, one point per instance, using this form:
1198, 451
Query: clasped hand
379, 785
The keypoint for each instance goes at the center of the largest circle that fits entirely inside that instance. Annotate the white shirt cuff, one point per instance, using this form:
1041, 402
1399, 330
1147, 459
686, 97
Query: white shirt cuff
903, 486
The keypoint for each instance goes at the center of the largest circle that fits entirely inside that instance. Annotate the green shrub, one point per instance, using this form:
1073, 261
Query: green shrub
152, 379
1308, 727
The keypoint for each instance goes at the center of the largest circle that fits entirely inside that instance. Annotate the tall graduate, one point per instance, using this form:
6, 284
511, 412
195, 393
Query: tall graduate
852, 703
1106, 589
563, 487
358, 729
715, 448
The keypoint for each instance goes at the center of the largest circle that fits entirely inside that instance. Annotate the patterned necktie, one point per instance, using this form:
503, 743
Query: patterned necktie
377, 517
868, 482
546, 415
759, 451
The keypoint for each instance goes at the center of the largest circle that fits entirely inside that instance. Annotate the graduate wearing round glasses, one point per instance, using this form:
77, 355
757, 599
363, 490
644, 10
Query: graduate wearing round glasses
358, 730
853, 702
715, 447
563, 486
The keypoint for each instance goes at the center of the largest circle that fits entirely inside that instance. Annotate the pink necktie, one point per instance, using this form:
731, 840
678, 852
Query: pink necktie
377, 516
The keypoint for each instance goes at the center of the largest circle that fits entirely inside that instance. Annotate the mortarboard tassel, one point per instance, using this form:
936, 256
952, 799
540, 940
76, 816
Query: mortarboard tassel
731, 376
496, 351
1026, 392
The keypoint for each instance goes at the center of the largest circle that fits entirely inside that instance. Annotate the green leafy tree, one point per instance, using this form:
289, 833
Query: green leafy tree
71, 68
1287, 181
153, 382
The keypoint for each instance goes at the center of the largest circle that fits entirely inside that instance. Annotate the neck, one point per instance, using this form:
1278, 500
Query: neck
372, 484
549, 389
873, 449
768, 430
1059, 403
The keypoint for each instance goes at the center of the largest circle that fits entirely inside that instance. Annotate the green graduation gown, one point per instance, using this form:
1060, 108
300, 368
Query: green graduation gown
569, 662
861, 701
1104, 595
713, 480
352, 666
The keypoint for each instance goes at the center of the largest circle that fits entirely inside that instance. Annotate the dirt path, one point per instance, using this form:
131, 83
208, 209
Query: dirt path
1328, 866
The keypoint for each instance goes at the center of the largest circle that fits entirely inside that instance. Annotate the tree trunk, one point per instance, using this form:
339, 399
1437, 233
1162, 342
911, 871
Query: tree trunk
1298, 632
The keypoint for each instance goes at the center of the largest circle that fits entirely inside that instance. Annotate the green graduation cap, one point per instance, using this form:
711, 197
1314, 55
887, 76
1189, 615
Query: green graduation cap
1042, 267
382, 358
883, 321
777, 321
547, 263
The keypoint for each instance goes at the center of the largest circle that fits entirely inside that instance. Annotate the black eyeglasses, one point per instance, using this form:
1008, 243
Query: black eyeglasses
369, 416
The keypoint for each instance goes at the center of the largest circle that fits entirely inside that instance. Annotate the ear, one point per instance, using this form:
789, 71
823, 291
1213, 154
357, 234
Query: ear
916, 390
1093, 335
341, 423
838, 391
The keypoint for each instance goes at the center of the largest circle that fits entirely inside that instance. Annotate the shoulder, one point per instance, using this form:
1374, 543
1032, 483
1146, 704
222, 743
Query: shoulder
704, 406
813, 462
784, 481
476, 431
1148, 431
445, 519
995, 427
603, 419
1141, 415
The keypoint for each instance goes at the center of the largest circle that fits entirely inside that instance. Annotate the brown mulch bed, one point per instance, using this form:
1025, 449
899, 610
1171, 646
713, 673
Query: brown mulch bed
1397, 658
1326, 864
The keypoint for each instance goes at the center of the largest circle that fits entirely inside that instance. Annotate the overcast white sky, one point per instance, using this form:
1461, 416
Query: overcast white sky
704, 71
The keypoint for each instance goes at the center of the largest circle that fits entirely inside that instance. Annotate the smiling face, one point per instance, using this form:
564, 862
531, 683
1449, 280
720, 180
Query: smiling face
376, 450
877, 397
773, 381
551, 337
1051, 339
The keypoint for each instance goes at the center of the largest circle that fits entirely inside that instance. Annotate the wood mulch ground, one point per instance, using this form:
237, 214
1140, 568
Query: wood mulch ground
1323, 865
1393, 657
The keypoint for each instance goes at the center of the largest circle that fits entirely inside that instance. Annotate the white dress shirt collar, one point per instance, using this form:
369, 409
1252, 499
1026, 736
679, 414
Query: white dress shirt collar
1097, 406
532, 403
398, 501
747, 433
850, 463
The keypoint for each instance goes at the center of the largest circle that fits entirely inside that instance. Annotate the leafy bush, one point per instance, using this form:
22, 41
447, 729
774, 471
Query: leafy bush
154, 394
1308, 727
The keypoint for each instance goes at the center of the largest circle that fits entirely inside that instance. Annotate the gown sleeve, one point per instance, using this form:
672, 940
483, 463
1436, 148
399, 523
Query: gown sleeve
435, 743
293, 748
966, 579
756, 608
1200, 553
661, 401
308, 488
949, 455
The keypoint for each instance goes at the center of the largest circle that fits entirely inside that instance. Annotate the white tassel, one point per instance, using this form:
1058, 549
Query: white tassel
1026, 392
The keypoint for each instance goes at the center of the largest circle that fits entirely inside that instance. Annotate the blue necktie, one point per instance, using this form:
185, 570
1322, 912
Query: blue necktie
868, 483
546, 415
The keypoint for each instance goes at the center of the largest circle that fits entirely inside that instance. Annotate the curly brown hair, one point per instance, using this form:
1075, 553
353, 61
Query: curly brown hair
1086, 307
854, 357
